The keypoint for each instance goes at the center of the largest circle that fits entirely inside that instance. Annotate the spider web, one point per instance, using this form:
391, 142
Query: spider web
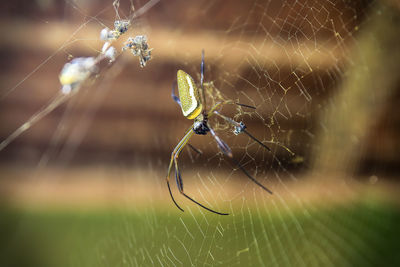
285, 58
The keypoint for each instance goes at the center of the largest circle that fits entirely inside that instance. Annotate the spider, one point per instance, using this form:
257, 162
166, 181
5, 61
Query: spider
193, 108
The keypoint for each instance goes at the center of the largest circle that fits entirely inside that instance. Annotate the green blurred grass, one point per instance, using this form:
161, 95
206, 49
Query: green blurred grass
360, 233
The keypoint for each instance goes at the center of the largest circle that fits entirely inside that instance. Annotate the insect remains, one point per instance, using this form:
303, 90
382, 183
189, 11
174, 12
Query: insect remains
75, 72
139, 48
120, 27
78, 70
192, 102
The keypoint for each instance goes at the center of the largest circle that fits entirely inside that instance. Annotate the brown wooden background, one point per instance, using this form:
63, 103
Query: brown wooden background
136, 122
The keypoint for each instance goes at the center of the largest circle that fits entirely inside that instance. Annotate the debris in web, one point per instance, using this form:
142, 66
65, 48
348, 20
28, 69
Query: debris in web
239, 128
139, 48
111, 54
120, 27
76, 72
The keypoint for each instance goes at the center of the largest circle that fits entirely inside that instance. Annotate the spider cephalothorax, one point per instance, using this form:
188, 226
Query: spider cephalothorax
200, 125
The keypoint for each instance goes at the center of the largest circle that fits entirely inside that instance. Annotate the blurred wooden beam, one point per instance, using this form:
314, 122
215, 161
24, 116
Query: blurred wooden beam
174, 45
370, 84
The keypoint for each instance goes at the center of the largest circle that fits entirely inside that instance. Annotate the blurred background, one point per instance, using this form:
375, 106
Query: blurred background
85, 186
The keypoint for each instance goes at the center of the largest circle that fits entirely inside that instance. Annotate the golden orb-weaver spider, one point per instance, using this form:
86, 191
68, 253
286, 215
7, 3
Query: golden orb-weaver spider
193, 108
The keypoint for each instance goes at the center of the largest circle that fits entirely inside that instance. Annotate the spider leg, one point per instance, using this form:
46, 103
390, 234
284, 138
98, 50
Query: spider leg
202, 78
172, 197
221, 144
204, 207
179, 181
174, 96
240, 127
202, 68
188, 134
178, 176
198, 151
174, 159
246, 106
227, 151
255, 139
251, 177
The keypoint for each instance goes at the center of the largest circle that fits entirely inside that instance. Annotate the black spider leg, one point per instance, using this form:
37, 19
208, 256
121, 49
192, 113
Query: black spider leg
172, 197
198, 151
244, 130
246, 106
174, 96
178, 177
184, 139
202, 78
241, 128
255, 139
221, 144
179, 180
251, 177
236, 124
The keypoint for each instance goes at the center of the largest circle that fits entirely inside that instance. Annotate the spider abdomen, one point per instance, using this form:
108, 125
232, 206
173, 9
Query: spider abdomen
188, 95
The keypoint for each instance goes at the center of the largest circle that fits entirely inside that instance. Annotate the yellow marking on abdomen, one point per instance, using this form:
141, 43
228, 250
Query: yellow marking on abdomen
188, 95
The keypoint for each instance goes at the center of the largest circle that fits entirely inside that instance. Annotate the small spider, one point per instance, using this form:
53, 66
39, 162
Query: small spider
193, 108
140, 48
